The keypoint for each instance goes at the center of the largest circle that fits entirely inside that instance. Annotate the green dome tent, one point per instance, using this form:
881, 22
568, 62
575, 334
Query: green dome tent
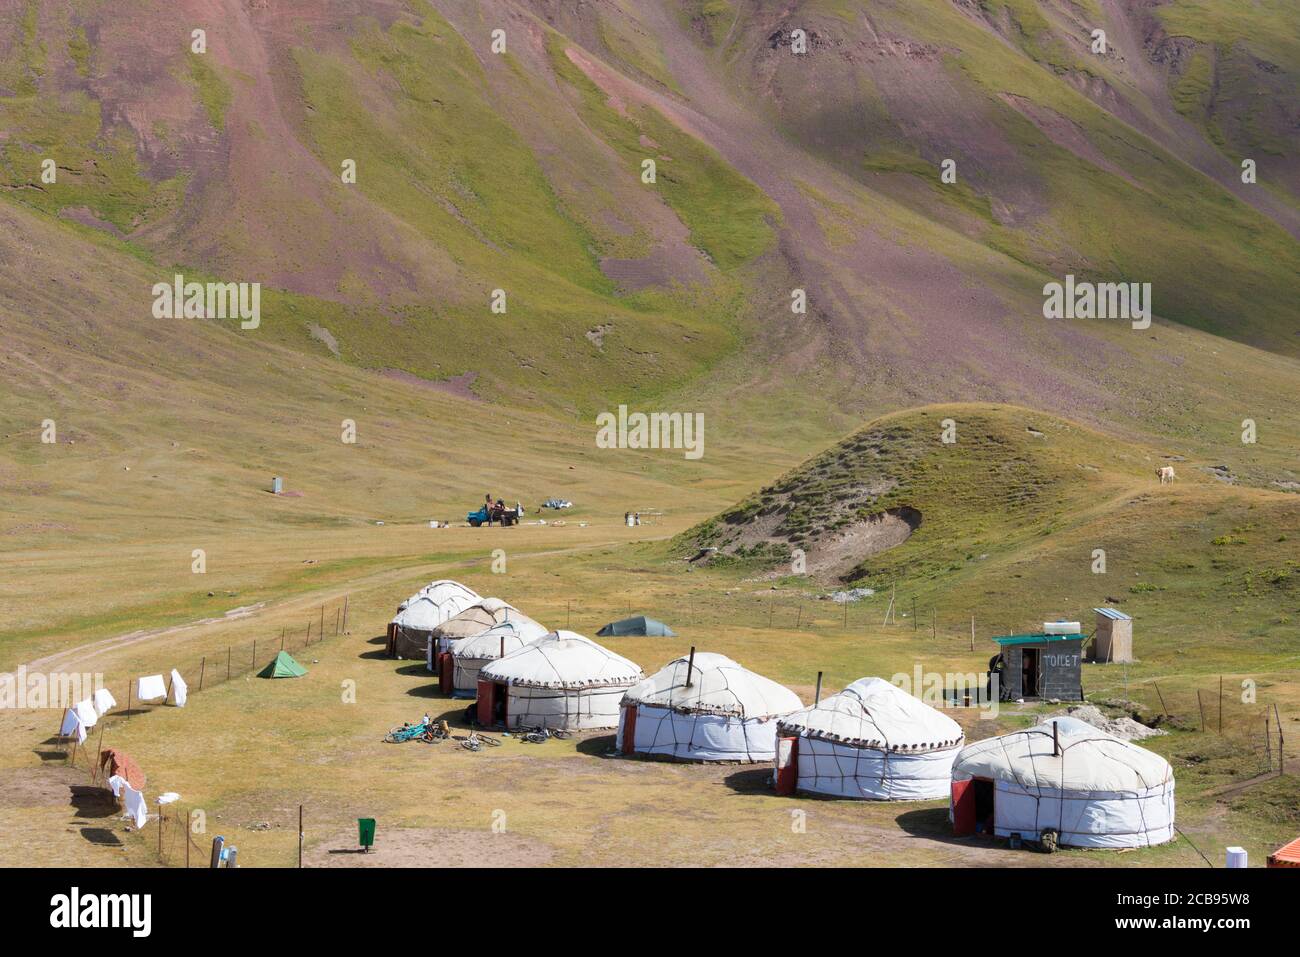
282, 666
638, 625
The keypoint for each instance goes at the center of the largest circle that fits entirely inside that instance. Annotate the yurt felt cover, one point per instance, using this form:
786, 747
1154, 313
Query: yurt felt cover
874, 741
1098, 791
563, 659
636, 625
470, 654
718, 685
725, 714
443, 589
282, 666
873, 713
116, 761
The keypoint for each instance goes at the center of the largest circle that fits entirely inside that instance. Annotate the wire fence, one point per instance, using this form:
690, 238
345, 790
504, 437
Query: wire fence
1226, 712
169, 826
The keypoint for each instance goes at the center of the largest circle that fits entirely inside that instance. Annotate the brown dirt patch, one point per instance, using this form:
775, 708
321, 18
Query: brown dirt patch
844, 549
430, 847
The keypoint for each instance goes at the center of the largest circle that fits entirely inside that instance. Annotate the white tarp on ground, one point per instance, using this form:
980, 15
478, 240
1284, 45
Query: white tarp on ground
469, 655
725, 713
104, 702
180, 690
563, 680
1099, 791
150, 687
874, 740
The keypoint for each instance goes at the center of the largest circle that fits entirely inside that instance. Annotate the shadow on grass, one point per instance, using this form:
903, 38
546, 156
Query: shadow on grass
373, 655
416, 670
101, 836
50, 755
932, 823
598, 746
750, 781
380, 640
426, 691
90, 801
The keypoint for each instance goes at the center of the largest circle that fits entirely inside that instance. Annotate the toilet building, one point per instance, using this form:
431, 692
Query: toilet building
1039, 665
1114, 641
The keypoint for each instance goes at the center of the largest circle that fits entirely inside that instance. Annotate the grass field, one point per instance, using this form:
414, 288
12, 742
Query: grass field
138, 533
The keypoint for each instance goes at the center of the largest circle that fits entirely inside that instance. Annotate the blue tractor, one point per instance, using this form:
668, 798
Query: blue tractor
506, 516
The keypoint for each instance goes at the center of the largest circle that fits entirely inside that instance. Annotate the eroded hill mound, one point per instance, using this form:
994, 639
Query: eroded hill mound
897, 496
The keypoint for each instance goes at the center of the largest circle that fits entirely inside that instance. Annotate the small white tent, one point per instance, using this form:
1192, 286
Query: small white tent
469, 655
562, 680
706, 709
872, 740
1091, 788
408, 632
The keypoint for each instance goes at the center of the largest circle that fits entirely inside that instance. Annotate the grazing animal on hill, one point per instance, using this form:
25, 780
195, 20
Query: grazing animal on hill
1165, 473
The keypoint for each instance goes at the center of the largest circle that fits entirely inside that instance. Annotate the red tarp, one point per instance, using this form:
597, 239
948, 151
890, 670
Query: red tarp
116, 761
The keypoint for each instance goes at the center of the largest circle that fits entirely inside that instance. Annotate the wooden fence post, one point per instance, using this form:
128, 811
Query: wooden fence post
1280, 739
1200, 706
203, 667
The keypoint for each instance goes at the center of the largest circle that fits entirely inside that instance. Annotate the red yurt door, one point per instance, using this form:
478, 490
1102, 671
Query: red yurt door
963, 807
787, 765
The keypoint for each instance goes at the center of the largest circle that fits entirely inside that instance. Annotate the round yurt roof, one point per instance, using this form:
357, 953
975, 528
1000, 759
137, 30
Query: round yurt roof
479, 616
718, 686
872, 713
563, 659
1090, 759
487, 645
439, 591
421, 614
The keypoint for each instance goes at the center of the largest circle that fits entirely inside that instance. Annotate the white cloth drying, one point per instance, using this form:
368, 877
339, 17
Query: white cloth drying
115, 784
151, 687
169, 798
180, 690
72, 725
104, 702
86, 712
136, 808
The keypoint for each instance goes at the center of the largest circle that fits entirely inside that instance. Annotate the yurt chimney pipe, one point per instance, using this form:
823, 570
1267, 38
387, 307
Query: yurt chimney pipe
690, 667
1056, 742
817, 695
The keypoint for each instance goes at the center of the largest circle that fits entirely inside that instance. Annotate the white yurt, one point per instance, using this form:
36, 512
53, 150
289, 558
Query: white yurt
469, 655
562, 680
873, 740
1064, 775
475, 618
704, 707
422, 612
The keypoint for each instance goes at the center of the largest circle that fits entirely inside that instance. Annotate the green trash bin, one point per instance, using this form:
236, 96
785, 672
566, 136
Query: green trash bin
366, 827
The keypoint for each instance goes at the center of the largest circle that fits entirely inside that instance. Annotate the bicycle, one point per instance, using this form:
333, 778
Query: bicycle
406, 732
